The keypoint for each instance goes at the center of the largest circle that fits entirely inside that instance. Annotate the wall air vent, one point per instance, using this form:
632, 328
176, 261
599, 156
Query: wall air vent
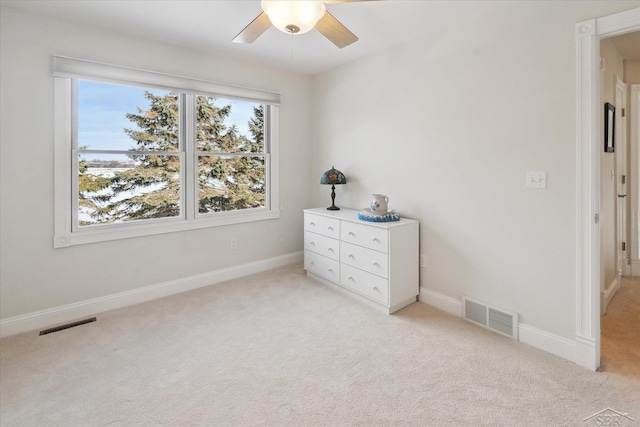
496, 319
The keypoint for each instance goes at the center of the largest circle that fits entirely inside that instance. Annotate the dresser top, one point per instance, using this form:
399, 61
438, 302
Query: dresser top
352, 215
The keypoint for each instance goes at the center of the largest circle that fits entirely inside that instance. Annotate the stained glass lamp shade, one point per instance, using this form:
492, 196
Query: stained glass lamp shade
333, 177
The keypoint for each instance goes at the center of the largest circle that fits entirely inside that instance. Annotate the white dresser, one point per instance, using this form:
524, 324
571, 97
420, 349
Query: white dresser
374, 261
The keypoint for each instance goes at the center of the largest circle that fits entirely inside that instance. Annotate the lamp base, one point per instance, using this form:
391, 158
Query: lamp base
333, 206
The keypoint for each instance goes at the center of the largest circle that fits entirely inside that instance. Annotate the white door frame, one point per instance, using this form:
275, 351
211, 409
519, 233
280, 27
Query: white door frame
622, 260
588, 138
634, 137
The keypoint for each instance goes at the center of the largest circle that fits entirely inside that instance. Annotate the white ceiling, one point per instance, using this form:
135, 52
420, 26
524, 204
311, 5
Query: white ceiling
210, 25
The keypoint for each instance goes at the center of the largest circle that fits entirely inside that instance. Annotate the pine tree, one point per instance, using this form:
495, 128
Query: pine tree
229, 182
228, 178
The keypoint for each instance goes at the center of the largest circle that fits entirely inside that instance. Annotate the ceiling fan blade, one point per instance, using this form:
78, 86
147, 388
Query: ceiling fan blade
343, 1
337, 33
252, 31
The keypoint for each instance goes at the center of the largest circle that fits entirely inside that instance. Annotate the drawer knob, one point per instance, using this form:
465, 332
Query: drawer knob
330, 270
375, 239
375, 264
351, 233
330, 249
350, 278
330, 228
312, 223
312, 243
351, 256
312, 262
375, 288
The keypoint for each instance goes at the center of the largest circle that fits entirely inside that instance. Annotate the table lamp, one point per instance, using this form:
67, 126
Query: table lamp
333, 177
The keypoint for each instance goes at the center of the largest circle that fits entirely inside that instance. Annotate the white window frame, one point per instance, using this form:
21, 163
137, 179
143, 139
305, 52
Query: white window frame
66, 71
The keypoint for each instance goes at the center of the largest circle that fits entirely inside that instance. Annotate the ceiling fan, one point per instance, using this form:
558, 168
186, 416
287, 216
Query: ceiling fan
298, 17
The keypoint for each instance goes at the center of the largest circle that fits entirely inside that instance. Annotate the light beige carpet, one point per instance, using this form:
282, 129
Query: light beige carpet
279, 349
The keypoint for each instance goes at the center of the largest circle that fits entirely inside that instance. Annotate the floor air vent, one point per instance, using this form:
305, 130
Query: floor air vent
498, 320
67, 326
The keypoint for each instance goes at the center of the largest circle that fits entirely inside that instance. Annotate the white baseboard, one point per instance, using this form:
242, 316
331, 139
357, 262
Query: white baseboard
607, 295
440, 301
627, 269
70, 312
635, 268
551, 343
587, 353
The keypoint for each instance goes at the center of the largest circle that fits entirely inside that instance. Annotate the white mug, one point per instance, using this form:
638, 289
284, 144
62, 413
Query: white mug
379, 203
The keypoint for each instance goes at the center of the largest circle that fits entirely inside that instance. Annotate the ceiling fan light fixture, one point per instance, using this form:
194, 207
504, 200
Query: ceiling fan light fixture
294, 16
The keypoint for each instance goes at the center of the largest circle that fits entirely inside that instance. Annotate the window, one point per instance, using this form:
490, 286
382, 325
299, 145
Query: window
129, 156
140, 153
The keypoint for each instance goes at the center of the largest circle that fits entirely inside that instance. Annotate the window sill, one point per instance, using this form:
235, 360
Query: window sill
151, 228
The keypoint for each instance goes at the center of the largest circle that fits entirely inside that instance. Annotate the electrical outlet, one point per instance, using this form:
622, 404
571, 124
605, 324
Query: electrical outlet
234, 244
423, 260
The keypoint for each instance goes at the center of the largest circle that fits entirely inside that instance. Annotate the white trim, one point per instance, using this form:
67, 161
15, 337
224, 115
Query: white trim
607, 295
69, 312
618, 23
587, 351
63, 238
62, 163
440, 301
587, 182
634, 136
635, 268
551, 343
80, 68
272, 123
621, 143
588, 35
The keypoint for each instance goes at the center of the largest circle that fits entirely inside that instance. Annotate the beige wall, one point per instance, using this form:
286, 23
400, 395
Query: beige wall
632, 72
447, 127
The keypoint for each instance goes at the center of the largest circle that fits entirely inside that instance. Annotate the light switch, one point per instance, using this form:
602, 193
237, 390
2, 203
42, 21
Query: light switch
536, 179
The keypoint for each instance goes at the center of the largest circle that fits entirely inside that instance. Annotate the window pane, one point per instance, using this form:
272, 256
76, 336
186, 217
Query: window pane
229, 126
119, 117
230, 183
115, 188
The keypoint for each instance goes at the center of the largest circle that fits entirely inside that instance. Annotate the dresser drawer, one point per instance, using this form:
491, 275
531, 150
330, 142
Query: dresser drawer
365, 259
329, 227
365, 235
322, 266
322, 245
364, 283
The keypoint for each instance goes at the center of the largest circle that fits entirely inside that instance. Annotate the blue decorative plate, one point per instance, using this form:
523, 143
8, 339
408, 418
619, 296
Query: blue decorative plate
367, 215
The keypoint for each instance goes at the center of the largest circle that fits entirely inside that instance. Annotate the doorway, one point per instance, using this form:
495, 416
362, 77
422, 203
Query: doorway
620, 292
588, 115
614, 262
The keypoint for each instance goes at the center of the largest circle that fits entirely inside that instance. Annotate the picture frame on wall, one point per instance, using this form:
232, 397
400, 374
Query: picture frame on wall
609, 127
